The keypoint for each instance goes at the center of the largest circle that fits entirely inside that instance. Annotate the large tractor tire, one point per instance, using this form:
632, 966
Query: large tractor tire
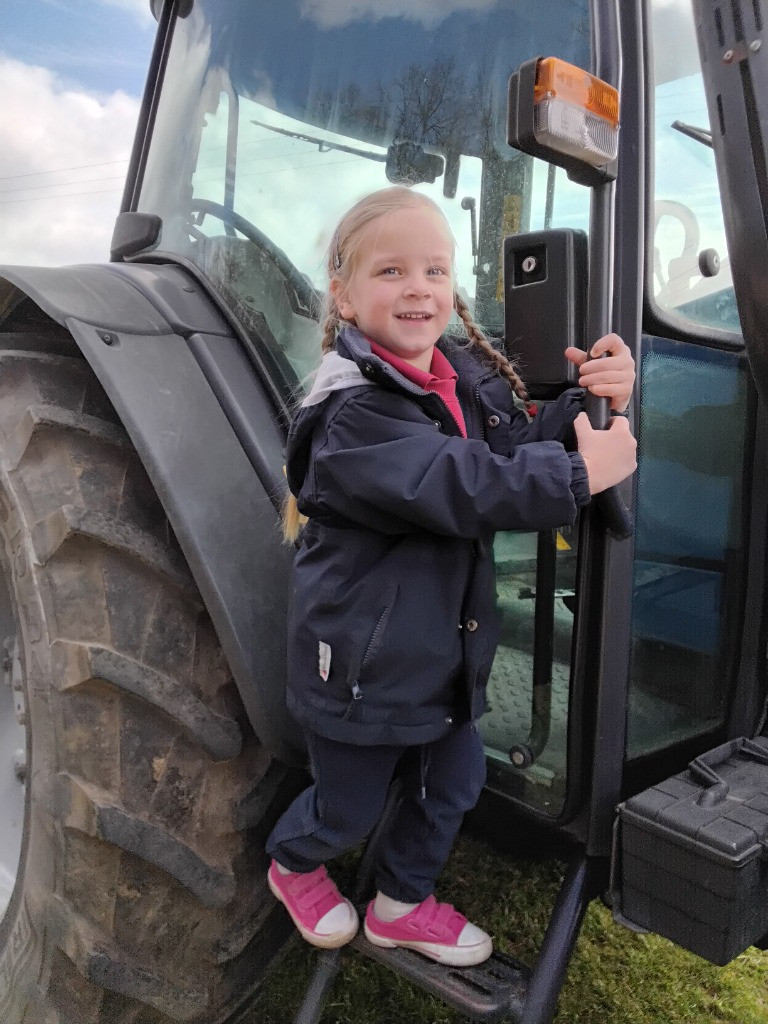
138, 796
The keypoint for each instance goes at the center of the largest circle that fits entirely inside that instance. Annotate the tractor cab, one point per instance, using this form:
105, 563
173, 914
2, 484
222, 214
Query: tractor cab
270, 121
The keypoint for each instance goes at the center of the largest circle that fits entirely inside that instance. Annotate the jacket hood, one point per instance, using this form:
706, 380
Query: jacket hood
339, 370
335, 373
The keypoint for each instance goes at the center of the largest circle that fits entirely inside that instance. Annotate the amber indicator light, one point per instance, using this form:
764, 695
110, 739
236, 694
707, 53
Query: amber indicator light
558, 80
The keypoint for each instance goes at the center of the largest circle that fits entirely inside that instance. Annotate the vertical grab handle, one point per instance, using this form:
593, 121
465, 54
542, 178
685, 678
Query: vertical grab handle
614, 513
522, 755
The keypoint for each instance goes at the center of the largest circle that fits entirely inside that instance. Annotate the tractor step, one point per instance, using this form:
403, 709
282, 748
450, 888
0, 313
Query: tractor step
492, 991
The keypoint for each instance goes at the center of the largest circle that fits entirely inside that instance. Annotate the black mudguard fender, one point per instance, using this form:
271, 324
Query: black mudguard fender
211, 439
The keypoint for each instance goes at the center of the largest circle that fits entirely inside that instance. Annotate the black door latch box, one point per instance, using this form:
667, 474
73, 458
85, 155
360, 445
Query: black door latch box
545, 281
691, 857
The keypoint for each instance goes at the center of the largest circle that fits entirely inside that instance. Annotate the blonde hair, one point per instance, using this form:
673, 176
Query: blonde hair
341, 260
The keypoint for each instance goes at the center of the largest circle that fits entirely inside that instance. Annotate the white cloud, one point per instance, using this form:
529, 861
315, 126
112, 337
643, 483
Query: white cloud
675, 49
335, 13
62, 167
141, 9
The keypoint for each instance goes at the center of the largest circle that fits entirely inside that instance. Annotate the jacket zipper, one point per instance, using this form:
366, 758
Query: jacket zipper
445, 404
378, 630
357, 693
478, 404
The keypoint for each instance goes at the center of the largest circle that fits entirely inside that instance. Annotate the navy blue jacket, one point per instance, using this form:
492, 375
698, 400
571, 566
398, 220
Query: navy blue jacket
393, 625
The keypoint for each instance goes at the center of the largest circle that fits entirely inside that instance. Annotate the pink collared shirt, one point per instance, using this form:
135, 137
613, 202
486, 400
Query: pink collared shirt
440, 378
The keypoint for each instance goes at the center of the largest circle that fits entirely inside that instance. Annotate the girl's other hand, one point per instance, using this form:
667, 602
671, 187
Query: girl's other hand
610, 455
611, 377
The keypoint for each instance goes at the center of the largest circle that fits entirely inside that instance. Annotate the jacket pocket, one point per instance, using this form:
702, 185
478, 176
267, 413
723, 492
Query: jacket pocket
377, 636
369, 653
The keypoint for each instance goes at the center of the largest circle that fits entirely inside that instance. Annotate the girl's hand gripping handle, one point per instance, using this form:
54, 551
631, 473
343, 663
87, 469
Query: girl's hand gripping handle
608, 373
607, 370
610, 456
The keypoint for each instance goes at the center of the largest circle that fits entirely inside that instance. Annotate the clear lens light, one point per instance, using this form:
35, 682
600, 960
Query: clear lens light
571, 129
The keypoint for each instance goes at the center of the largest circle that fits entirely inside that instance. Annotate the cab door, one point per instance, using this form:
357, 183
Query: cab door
696, 663
654, 646
701, 509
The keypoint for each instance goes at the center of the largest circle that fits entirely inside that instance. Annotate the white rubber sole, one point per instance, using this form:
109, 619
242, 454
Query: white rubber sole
332, 941
451, 956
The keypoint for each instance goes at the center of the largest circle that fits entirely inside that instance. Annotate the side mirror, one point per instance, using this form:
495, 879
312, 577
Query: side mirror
408, 164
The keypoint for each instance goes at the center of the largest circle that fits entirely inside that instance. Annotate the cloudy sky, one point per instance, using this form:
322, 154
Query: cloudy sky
71, 74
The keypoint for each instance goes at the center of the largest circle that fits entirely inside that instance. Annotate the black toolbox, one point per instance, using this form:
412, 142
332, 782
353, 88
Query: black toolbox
691, 855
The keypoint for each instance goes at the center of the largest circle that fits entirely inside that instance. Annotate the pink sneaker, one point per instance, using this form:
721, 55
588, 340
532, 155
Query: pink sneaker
322, 915
434, 929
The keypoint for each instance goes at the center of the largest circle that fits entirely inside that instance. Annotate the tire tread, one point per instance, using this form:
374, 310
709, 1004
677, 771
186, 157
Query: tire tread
170, 761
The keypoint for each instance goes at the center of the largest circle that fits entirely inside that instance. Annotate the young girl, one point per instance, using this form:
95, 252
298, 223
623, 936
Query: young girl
410, 451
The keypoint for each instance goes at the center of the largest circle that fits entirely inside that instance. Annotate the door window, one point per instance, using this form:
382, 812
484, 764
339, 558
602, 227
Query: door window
692, 480
690, 272
689, 543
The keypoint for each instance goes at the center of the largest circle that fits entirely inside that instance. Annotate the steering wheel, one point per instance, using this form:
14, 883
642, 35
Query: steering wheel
307, 299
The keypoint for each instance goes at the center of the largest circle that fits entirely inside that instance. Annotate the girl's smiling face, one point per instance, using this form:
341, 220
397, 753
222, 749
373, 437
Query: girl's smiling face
400, 293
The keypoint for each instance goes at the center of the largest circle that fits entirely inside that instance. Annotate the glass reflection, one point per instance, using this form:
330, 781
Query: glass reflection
689, 545
290, 112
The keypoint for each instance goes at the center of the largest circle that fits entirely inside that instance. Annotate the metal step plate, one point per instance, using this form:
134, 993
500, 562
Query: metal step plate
493, 991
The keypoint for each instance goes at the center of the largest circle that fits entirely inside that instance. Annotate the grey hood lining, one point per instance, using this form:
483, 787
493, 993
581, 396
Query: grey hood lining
335, 373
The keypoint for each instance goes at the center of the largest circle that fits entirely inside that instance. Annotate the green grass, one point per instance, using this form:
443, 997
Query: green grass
616, 976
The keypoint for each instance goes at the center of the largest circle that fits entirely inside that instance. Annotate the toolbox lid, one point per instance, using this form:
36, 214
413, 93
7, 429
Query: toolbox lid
719, 805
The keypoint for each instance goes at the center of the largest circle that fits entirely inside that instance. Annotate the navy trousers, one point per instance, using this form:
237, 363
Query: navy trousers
440, 782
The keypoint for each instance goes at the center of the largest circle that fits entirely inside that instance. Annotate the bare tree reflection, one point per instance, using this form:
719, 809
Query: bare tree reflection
433, 104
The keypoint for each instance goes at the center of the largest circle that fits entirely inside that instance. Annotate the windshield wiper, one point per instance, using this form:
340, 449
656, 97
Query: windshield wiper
323, 145
406, 162
702, 135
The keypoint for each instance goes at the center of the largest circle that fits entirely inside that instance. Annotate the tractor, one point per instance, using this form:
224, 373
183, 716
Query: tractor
603, 167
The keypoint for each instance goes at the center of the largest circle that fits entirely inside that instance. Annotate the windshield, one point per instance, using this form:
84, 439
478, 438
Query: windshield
275, 118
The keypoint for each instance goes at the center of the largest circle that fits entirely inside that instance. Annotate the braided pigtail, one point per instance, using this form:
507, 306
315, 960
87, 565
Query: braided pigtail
331, 324
293, 520
496, 358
